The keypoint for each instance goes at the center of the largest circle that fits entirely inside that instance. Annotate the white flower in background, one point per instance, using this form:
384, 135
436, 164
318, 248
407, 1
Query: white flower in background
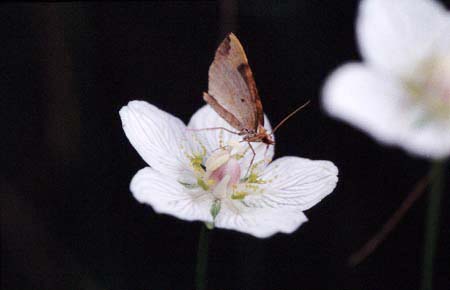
400, 94
201, 175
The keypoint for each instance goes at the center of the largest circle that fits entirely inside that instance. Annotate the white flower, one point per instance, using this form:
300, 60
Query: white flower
201, 175
400, 94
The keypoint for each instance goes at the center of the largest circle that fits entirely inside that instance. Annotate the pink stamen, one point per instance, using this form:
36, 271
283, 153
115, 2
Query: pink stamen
231, 168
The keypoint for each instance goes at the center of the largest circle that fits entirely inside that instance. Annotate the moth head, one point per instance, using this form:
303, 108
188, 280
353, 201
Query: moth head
268, 139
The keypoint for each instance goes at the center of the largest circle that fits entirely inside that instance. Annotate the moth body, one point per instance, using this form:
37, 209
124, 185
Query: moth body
257, 136
232, 93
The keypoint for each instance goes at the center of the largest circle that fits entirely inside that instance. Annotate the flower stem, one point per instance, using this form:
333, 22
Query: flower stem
371, 245
432, 223
202, 258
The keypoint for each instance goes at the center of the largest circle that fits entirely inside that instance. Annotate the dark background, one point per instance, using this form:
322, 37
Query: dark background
68, 218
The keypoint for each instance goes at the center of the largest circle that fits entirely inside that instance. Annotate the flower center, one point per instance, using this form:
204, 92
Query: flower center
223, 171
432, 89
220, 175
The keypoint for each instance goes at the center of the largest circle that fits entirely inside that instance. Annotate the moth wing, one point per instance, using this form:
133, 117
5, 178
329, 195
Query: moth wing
221, 111
232, 88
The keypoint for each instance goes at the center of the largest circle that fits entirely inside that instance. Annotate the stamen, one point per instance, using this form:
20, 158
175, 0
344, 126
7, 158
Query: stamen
239, 195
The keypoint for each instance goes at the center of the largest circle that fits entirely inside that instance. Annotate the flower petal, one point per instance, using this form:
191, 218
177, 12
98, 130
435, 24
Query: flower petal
166, 195
295, 182
381, 106
367, 100
396, 36
259, 222
206, 117
156, 136
431, 140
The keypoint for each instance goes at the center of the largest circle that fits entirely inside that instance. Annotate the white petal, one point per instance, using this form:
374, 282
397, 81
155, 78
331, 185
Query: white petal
259, 222
368, 100
381, 106
431, 140
397, 35
295, 182
206, 117
156, 136
168, 196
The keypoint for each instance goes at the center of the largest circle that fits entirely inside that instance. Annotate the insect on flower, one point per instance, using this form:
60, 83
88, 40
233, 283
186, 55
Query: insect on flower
232, 93
200, 175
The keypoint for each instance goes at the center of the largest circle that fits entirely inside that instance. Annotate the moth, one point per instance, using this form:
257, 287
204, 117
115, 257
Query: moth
232, 93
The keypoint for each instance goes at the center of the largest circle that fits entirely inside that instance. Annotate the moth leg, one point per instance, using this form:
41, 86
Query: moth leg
253, 158
213, 128
265, 153
221, 139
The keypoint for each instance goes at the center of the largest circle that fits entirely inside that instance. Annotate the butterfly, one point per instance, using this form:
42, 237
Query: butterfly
232, 93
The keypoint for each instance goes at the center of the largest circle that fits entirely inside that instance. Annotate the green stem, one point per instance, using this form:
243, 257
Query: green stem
202, 259
432, 223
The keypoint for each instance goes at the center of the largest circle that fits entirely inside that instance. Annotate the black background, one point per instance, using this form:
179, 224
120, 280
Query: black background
68, 218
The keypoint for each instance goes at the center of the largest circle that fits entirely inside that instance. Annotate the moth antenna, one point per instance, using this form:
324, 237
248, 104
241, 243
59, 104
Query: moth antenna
290, 115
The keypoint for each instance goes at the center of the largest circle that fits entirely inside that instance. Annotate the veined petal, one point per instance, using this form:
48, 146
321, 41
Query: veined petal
295, 182
206, 117
259, 222
156, 136
168, 196
397, 36
381, 106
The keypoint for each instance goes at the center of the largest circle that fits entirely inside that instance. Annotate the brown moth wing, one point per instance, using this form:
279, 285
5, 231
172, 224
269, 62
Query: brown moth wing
226, 115
232, 87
